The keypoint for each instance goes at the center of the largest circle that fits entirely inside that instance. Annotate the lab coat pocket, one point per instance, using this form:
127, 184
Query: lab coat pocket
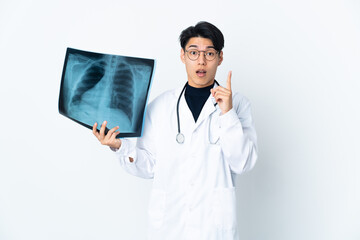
157, 208
224, 208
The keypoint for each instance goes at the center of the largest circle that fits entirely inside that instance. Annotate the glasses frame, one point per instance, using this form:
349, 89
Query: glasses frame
199, 52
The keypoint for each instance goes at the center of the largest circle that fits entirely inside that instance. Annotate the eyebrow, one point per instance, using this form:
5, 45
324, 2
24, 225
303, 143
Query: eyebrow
196, 46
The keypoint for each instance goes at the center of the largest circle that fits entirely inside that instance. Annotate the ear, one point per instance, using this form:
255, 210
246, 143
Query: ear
220, 58
182, 55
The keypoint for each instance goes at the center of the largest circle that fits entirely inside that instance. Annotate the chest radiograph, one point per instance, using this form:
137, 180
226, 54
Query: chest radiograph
98, 87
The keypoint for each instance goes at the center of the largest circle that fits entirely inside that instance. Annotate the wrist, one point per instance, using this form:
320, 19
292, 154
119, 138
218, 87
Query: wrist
117, 144
224, 111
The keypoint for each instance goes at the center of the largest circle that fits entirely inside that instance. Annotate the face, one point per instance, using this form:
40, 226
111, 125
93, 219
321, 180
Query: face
200, 72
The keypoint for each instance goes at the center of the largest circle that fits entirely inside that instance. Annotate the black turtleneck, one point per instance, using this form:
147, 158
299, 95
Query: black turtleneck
196, 98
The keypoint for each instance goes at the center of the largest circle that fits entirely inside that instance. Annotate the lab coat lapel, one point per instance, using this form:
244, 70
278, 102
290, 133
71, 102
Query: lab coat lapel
208, 108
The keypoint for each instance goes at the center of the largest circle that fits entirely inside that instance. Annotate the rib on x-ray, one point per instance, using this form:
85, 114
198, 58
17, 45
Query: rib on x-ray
97, 87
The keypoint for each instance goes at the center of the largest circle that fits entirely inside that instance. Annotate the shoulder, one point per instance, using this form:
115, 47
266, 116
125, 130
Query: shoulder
163, 97
163, 101
241, 103
240, 99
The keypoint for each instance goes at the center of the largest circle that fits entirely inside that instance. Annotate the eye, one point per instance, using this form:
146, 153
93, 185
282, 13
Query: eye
211, 53
193, 52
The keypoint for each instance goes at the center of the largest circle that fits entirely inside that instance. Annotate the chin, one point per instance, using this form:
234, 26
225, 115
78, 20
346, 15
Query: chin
200, 82
204, 83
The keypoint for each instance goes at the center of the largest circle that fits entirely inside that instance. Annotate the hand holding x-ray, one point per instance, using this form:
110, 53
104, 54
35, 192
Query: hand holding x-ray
109, 138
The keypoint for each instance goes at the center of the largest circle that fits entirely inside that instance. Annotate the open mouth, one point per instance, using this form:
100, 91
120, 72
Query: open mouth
200, 73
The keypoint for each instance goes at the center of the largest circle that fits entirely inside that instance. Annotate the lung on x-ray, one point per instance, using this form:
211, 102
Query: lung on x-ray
97, 87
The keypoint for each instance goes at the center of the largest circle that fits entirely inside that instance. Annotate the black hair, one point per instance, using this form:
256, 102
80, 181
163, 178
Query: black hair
204, 30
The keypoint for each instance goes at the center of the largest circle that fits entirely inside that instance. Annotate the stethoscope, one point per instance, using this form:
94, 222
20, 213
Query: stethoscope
180, 138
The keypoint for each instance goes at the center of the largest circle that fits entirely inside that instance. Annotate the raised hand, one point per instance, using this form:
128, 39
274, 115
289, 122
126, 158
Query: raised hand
223, 96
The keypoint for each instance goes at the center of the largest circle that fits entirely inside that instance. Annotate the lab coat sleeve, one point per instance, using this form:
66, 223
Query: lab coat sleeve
238, 138
141, 150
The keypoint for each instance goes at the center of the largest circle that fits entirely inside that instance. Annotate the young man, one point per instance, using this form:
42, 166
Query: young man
195, 140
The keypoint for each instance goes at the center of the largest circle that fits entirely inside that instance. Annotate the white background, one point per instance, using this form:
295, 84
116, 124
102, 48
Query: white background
297, 61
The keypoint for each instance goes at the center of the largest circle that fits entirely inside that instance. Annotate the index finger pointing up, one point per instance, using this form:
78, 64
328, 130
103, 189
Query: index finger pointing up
228, 82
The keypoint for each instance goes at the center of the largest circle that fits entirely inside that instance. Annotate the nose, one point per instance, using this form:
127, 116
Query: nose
201, 59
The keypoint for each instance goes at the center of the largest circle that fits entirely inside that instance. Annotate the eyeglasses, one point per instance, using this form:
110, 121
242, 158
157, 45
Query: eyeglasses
194, 54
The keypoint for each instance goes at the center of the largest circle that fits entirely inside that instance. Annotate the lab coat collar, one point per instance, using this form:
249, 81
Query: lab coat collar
186, 118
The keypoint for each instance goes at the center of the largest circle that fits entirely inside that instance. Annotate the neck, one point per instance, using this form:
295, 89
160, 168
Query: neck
203, 91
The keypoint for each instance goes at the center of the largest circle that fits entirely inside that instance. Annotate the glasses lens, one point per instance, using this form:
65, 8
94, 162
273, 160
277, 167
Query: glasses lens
210, 55
193, 54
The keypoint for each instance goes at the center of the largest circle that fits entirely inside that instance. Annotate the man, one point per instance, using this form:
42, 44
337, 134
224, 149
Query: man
195, 140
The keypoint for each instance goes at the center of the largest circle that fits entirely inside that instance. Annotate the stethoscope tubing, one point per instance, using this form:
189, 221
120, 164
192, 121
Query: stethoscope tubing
180, 138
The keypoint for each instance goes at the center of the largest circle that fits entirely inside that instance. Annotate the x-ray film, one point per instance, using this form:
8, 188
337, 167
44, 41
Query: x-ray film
97, 87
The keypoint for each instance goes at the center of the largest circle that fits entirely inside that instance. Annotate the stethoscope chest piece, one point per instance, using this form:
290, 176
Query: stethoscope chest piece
180, 138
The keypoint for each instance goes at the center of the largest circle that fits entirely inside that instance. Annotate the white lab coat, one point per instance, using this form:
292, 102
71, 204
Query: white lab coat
193, 195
